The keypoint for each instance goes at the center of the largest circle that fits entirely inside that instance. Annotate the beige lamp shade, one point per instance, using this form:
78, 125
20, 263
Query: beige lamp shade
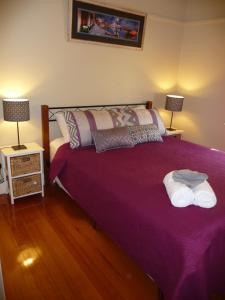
16, 110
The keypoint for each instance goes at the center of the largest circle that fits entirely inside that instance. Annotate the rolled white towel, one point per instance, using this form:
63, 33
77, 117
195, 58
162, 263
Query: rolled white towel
180, 195
204, 195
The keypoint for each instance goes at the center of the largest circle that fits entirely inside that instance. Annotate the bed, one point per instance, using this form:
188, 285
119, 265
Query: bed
182, 249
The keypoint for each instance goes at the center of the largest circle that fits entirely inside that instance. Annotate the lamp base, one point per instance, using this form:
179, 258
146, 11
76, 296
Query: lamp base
171, 129
19, 147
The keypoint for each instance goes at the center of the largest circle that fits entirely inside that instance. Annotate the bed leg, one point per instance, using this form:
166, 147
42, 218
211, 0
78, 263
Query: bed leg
160, 294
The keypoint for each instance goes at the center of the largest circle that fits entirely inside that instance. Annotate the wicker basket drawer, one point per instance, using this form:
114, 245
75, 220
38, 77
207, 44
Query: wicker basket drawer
25, 164
26, 185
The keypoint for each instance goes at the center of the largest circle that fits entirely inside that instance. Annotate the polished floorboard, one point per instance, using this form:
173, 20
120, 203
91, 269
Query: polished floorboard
50, 250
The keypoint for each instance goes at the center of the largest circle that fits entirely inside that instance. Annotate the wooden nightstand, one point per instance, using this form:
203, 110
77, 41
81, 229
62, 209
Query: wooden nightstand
175, 133
24, 170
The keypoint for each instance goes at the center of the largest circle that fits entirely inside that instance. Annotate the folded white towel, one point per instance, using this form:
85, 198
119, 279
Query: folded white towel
204, 195
180, 195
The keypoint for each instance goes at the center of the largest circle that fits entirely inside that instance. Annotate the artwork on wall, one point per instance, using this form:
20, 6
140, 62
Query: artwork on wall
96, 23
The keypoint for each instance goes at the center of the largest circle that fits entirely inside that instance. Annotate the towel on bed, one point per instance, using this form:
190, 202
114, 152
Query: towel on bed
189, 177
180, 195
204, 195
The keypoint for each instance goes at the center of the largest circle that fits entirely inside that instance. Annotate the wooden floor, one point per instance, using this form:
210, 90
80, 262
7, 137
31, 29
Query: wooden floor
49, 250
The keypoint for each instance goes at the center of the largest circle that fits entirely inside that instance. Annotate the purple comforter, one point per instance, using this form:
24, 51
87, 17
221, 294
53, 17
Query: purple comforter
183, 249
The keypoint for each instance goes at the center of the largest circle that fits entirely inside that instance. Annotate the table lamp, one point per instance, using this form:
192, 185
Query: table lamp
16, 110
173, 103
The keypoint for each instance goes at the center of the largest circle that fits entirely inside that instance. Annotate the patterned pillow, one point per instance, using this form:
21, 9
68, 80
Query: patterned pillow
144, 133
82, 123
114, 138
133, 116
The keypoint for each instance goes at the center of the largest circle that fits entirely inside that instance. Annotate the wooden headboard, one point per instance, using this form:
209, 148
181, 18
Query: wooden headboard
48, 115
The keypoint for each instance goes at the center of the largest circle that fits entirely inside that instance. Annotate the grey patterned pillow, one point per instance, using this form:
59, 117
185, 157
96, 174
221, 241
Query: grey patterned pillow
113, 138
144, 133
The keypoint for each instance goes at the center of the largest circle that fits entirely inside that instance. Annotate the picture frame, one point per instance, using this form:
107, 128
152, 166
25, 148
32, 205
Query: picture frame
97, 23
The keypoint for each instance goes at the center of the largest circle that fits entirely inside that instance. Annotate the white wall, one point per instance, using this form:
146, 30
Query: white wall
202, 81
201, 76
205, 9
37, 60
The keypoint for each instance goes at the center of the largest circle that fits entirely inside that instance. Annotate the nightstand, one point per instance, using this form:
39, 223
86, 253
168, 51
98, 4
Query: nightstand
175, 133
24, 170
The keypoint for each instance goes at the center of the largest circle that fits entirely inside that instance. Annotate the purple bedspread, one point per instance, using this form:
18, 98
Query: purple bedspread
183, 249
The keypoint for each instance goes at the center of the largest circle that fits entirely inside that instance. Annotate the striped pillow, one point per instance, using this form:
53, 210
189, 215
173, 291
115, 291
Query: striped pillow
133, 116
82, 123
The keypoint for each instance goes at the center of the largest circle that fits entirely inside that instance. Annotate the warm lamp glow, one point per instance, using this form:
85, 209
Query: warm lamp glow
28, 256
166, 85
27, 262
190, 85
185, 120
13, 89
162, 79
194, 81
175, 96
15, 99
12, 94
17, 88
163, 113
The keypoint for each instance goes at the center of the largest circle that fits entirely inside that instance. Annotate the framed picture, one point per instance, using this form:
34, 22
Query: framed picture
104, 24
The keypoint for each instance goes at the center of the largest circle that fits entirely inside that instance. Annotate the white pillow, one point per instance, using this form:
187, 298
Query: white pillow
128, 117
160, 122
80, 124
133, 116
54, 146
60, 118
